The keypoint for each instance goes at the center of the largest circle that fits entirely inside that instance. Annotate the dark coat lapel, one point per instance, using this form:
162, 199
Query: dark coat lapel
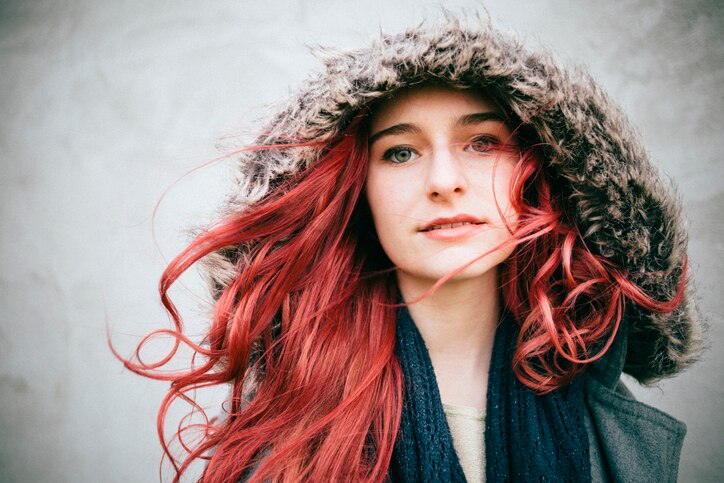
630, 440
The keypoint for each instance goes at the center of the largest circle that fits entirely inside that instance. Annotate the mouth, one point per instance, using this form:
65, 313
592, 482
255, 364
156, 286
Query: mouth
448, 223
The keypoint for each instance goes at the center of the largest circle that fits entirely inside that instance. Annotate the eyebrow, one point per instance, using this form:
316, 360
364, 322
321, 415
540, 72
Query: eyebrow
466, 120
393, 130
480, 117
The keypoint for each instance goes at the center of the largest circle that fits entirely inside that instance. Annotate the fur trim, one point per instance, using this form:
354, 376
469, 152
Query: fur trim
624, 209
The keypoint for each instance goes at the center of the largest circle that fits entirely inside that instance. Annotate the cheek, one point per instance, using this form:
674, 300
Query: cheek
373, 193
503, 177
386, 196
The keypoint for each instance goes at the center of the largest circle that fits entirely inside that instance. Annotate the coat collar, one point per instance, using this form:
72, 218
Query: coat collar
609, 368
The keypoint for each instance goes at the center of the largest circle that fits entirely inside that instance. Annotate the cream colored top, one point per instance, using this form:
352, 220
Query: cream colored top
467, 426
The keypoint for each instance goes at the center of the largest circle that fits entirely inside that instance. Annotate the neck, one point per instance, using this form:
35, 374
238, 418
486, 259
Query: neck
458, 323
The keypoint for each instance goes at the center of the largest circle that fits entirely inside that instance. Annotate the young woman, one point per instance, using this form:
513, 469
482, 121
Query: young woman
440, 258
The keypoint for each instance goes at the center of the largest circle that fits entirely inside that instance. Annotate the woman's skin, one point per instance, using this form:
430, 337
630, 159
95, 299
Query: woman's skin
439, 156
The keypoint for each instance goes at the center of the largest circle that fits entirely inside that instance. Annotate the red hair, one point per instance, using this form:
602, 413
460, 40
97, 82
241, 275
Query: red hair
307, 326
568, 301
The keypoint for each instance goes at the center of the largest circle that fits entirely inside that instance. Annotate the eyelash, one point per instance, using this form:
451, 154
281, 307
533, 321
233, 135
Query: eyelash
397, 149
490, 142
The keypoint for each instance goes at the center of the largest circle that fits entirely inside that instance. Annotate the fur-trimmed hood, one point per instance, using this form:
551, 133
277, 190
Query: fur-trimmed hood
624, 209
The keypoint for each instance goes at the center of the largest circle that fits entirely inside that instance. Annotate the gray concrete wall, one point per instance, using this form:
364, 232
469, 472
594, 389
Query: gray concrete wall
106, 104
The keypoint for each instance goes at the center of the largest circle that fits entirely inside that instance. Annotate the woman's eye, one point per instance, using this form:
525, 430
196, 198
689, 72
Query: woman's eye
399, 155
482, 144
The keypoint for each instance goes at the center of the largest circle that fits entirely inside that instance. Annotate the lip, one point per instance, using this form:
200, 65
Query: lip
452, 228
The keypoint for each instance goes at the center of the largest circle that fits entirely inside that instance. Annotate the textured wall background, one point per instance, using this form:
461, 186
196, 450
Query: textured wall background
106, 104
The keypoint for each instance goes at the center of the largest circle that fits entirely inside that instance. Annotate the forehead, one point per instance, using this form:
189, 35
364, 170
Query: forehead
421, 102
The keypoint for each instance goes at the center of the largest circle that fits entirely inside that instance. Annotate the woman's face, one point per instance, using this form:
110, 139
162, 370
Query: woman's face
439, 160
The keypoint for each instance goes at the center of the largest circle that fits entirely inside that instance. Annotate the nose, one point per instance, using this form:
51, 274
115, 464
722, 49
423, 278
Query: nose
445, 176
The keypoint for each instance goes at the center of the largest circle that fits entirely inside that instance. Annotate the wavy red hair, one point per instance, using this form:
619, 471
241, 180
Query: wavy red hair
305, 331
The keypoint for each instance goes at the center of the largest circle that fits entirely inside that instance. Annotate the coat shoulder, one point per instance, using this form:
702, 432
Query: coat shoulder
630, 440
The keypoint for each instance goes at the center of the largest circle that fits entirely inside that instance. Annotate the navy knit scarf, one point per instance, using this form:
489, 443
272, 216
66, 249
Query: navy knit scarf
527, 437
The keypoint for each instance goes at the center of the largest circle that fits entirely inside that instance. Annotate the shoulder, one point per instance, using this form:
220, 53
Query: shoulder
630, 440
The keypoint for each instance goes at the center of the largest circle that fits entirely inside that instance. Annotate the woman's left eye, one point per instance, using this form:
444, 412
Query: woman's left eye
482, 144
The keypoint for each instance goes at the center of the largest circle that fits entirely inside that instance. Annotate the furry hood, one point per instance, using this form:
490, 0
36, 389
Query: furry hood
624, 209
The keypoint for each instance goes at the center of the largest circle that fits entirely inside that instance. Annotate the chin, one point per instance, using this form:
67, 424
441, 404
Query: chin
479, 270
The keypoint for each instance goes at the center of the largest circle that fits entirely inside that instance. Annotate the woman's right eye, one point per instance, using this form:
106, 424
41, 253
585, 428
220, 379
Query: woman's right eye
399, 155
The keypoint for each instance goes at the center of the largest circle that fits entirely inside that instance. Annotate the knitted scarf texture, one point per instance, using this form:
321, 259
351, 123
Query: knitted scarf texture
528, 437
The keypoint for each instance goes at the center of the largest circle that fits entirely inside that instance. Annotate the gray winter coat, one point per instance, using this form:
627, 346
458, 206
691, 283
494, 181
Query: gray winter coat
629, 440
624, 210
